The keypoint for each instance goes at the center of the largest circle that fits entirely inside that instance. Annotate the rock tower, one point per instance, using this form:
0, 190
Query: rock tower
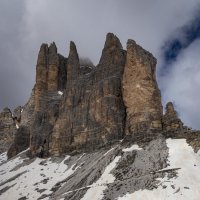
74, 109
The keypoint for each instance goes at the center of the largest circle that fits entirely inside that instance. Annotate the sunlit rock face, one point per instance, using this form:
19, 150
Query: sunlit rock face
141, 94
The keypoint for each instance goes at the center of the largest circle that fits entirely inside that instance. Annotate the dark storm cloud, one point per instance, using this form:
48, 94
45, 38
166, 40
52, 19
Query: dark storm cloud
87, 22
12, 75
184, 36
25, 24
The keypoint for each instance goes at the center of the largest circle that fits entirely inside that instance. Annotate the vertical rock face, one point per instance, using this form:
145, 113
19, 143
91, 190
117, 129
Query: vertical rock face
140, 91
73, 66
7, 129
50, 66
53, 63
91, 112
17, 116
50, 77
41, 77
170, 118
37, 118
74, 109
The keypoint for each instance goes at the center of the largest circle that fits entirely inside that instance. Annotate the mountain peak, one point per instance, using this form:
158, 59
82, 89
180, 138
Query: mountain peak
96, 134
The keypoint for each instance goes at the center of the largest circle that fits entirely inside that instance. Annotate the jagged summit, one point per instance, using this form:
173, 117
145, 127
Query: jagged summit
140, 91
71, 111
73, 65
97, 132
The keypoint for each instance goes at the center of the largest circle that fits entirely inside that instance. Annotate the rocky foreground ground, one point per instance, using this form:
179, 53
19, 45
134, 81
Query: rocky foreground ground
162, 169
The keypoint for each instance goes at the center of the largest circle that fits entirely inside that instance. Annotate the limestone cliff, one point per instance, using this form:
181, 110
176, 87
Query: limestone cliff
140, 91
23, 118
75, 108
50, 78
99, 132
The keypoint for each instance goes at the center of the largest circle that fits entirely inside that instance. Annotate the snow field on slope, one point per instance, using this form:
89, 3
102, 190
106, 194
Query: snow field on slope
186, 186
36, 176
95, 192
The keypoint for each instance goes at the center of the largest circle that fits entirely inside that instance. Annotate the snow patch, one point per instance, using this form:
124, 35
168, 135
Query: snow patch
185, 185
96, 189
17, 126
132, 148
60, 93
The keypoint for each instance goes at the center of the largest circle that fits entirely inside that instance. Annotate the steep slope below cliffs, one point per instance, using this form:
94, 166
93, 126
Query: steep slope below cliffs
161, 169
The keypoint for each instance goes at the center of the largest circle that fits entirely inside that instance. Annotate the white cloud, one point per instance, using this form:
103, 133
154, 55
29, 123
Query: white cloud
87, 22
182, 84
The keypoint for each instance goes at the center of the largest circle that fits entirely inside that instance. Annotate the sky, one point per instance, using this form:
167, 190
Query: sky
168, 29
